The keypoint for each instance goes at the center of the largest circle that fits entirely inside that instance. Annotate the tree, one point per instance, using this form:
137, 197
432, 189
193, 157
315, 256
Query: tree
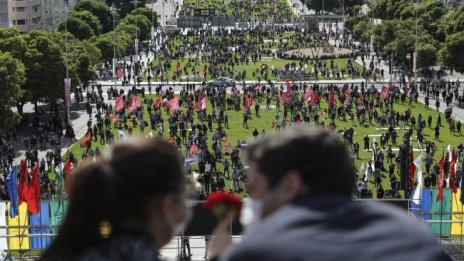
452, 52
45, 68
317, 5
141, 22
89, 19
100, 10
105, 44
77, 27
426, 55
13, 42
12, 78
147, 12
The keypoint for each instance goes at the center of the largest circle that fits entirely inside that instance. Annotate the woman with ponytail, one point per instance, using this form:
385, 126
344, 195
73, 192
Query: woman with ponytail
138, 190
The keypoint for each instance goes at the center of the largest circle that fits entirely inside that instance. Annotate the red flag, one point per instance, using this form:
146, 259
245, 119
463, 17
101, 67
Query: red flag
227, 147
158, 102
284, 98
174, 104
331, 98
193, 149
119, 73
440, 180
306, 98
87, 140
119, 104
134, 104
453, 171
33, 192
385, 92
248, 103
22, 182
203, 104
314, 98
114, 118
67, 170
166, 103
412, 169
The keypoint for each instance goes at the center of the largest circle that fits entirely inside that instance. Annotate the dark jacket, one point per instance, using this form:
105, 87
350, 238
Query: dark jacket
123, 246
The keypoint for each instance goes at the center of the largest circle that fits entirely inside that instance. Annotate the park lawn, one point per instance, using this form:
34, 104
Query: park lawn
248, 68
235, 132
264, 122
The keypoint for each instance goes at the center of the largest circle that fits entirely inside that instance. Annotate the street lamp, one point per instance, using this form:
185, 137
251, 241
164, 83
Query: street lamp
414, 68
67, 81
113, 12
136, 41
152, 21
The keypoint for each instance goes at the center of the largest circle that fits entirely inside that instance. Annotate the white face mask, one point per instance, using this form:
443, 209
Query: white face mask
178, 228
251, 213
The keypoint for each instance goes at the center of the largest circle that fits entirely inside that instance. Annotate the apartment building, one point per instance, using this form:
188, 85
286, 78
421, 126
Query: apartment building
27, 15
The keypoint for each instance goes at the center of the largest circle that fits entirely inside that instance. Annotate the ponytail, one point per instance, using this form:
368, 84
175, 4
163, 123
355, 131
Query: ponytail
92, 202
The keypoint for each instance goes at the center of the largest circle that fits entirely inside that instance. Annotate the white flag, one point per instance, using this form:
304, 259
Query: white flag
416, 198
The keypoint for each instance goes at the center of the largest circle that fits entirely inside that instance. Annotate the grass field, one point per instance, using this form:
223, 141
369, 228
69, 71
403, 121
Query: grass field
237, 132
192, 65
250, 68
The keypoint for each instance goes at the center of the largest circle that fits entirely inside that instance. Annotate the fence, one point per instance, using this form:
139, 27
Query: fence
27, 235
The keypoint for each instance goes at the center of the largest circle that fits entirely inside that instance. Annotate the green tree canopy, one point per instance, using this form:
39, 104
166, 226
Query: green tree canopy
100, 10
12, 78
89, 19
426, 55
77, 27
45, 67
141, 22
13, 42
452, 52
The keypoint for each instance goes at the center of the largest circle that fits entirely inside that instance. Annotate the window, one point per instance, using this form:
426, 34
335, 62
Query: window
36, 20
21, 22
21, 9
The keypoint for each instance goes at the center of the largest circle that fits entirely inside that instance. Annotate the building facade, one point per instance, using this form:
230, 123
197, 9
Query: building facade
27, 15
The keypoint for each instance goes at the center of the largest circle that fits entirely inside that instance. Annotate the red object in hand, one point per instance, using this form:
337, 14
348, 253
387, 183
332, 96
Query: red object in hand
221, 204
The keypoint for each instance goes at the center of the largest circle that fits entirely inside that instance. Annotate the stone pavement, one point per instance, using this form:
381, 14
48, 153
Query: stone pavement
165, 9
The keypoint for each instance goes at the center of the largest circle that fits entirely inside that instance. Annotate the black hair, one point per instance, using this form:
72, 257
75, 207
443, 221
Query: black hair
319, 156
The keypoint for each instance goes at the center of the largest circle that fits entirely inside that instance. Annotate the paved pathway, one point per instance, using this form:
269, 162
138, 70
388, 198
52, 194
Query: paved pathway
166, 9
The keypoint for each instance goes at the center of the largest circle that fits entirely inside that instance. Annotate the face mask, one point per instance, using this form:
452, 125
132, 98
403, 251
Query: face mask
251, 213
179, 227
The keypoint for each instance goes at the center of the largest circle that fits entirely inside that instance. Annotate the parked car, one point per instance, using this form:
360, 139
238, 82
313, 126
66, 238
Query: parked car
221, 82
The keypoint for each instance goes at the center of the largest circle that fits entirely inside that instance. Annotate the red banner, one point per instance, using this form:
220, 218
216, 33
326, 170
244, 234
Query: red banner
174, 104
331, 98
158, 102
441, 179
203, 104
119, 104
385, 92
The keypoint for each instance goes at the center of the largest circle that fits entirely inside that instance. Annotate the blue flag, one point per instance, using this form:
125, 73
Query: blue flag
462, 181
12, 186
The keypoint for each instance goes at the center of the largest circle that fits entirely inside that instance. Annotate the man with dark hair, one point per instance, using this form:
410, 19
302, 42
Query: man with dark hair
300, 184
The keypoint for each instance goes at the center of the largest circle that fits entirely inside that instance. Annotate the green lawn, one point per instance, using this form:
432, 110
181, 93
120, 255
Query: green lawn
195, 64
237, 132
250, 68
